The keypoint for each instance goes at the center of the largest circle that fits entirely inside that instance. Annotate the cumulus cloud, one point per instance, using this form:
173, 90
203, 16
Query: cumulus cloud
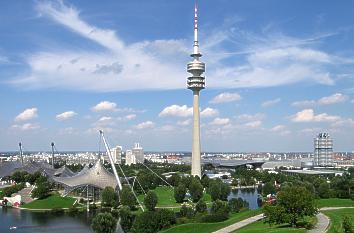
209, 112
333, 99
270, 103
225, 98
327, 100
65, 115
253, 124
308, 115
104, 106
184, 123
177, 110
250, 117
26, 126
278, 128
145, 125
27, 114
220, 121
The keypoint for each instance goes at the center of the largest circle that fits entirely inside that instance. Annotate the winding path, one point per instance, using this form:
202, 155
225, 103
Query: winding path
240, 224
321, 226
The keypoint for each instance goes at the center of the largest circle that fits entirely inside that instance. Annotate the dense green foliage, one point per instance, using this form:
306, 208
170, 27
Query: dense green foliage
126, 218
104, 223
180, 193
293, 204
153, 221
201, 206
8, 191
218, 190
196, 190
109, 197
236, 204
42, 188
347, 224
150, 200
127, 198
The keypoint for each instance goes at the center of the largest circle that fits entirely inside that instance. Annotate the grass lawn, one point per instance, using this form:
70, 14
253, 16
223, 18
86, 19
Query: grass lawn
166, 198
210, 227
51, 202
261, 227
336, 217
335, 202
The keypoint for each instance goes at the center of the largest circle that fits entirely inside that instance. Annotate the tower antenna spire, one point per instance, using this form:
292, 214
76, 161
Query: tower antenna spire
196, 43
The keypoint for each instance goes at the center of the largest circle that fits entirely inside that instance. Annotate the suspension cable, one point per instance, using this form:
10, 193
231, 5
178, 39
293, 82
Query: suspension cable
158, 175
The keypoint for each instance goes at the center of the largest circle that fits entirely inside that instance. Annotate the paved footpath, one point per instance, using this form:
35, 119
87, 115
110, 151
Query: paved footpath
323, 221
240, 224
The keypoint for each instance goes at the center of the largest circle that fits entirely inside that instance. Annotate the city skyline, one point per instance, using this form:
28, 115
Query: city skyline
275, 80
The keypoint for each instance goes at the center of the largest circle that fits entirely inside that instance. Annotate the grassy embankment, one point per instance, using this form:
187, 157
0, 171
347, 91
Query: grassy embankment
261, 227
52, 202
334, 202
336, 217
210, 227
166, 198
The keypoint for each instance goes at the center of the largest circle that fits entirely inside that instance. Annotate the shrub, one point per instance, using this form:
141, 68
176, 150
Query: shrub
347, 224
236, 204
201, 207
104, 223
186, 211
150, 200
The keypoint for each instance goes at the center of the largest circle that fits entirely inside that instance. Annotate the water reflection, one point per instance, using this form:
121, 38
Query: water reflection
249, 194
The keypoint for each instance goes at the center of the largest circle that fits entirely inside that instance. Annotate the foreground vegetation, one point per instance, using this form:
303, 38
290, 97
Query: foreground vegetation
337, 217
334, 202
261, 227
210, 227
53, 201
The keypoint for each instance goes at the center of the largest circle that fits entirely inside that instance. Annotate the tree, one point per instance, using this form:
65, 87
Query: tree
104, 223
153, 221
150, 200
224, 191
109, 197
174, 180
205, 181
196, 190
268, 188
41, 191
236, 204
127, 198
347, 224
126, 218
214, 190
323, 190
293, 204
180, 193
201, 206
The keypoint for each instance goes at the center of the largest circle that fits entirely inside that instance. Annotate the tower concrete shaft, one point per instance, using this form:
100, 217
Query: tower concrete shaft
196, 83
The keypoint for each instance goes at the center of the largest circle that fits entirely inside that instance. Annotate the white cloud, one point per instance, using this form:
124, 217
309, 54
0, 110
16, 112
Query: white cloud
105, 106
65, 115
333, 99
225, 98
177, 110
269, 60
352, 101
270, 103
253, 124
327, 100
308, 115
26, 126
27, 114
167, 128
220, 121
145, 125
209, 112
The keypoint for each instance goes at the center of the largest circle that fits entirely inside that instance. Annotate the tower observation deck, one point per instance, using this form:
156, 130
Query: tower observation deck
196, 83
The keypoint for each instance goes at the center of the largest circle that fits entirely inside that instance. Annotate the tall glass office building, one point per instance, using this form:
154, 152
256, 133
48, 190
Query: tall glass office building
323, 155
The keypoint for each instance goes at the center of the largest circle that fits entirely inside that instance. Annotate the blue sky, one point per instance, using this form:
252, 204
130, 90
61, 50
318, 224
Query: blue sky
277, 73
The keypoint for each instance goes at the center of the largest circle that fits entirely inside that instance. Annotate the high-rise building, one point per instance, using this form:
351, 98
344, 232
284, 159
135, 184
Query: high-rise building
135, 155
129, 158
138, 152
196, 83
117, 154
323, 154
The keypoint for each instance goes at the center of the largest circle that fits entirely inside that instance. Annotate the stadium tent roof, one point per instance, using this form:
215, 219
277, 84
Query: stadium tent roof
8, 168
96, 176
